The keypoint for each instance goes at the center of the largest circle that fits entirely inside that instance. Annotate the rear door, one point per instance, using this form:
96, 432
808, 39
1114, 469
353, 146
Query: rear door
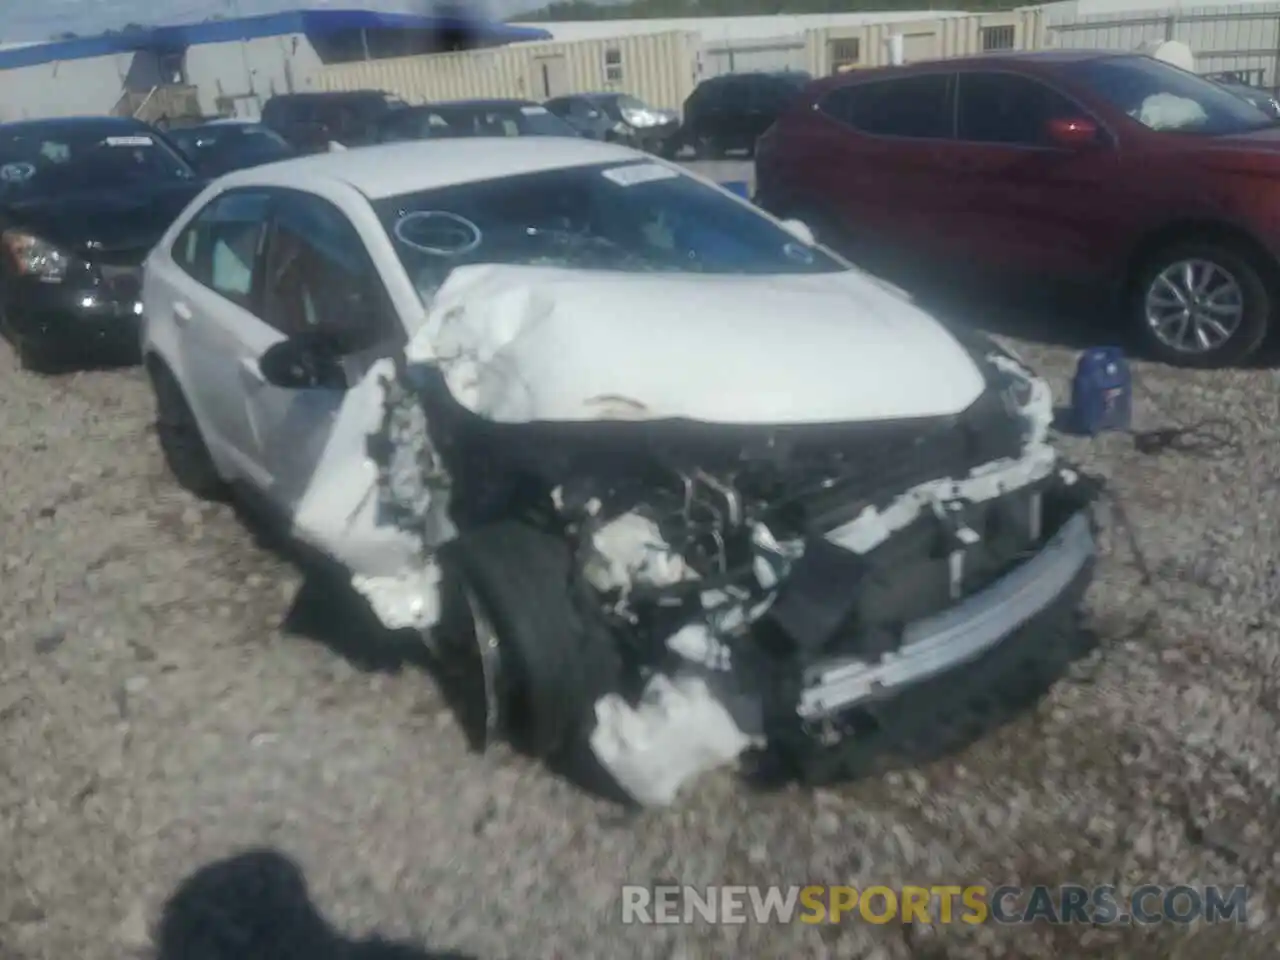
317, 278
1021, 201
875, 163
213, 300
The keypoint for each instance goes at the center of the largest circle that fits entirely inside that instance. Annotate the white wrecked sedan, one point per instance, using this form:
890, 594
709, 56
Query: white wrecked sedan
675, 482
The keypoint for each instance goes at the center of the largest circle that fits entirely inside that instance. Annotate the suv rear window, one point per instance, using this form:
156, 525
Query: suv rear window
918, 106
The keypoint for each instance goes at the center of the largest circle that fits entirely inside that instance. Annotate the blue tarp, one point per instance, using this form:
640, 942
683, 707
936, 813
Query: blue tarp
309, 22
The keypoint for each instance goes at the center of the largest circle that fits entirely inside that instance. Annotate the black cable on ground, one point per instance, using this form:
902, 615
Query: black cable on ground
1206, 439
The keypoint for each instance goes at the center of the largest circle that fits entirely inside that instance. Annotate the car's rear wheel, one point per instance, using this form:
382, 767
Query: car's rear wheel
181, 442
1203, 303
543, 660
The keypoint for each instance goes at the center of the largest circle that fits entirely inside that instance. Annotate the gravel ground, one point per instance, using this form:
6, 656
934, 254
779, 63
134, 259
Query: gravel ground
169, 693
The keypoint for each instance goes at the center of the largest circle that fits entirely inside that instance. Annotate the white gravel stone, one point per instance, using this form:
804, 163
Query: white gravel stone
155, 715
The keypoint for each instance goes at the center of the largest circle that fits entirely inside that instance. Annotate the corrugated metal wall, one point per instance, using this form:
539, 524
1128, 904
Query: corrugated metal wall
659, 68
779, 53
925, 39
245, 74
1244, 37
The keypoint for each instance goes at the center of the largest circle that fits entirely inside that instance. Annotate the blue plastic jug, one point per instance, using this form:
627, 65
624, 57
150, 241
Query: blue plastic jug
1101, 392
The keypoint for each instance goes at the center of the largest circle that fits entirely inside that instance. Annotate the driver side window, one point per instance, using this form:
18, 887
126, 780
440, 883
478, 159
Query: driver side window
319, 277
220, 246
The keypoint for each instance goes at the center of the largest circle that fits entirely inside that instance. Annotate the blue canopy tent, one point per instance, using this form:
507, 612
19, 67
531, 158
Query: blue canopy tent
337, 35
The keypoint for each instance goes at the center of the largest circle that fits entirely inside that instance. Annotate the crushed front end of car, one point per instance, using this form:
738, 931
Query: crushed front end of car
672, 593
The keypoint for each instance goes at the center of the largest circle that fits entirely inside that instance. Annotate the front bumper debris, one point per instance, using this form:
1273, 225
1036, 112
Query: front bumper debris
958, 635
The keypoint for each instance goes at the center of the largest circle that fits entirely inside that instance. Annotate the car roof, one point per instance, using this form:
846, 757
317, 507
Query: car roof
481, 104
54, 124
388, 170
1034, 60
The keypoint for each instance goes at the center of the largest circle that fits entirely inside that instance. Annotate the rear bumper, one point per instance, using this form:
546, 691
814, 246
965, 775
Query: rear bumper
959, 635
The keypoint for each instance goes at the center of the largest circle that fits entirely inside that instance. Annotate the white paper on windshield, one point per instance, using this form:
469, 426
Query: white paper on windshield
138, 141
534, 111
17, 172
635, 173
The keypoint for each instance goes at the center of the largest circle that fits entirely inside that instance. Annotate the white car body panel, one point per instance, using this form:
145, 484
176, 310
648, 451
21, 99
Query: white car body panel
540, 343
547, 343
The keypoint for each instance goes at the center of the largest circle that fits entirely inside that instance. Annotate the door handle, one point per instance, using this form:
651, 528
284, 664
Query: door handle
182, 314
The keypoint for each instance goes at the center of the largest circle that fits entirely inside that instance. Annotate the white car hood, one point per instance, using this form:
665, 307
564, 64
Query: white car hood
540, 343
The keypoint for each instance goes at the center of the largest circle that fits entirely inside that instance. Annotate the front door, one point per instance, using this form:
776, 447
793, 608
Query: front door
1019, 200
317, 278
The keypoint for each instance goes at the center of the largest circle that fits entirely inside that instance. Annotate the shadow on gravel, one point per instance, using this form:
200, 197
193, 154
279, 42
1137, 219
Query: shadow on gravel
256, 906
328, 611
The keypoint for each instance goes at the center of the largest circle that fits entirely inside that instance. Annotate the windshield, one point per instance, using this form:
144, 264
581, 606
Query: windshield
633, 217
41, 160
626, 102
1162, 97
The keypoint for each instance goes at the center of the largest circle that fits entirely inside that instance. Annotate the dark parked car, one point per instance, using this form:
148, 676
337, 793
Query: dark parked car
1260, 97
618, 117
472, 118
1115, 170
224, 145
82, 202
310, 121
730, 112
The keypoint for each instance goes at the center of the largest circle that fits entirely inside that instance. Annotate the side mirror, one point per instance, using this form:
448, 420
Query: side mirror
303, 362
1073, 133
800, 230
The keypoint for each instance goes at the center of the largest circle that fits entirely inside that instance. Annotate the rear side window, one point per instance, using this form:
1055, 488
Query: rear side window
1008, 108
919, 106
219, 248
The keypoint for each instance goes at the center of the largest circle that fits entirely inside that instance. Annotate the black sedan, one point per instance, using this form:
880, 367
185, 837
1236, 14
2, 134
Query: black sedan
221, 146
82, 202
619, 117
471, 118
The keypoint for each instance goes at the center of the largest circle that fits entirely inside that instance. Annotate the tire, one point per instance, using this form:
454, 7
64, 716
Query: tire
554, 661
181, 442
1252, 276
943, 715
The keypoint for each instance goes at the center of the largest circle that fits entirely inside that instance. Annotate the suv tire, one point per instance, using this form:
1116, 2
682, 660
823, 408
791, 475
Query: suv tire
1229, 290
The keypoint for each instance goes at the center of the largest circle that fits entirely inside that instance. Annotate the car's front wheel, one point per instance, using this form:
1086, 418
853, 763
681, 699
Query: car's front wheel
1203, 303
542, 658
181, 442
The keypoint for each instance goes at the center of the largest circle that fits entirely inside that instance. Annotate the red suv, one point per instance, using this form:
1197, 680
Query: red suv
1112, 169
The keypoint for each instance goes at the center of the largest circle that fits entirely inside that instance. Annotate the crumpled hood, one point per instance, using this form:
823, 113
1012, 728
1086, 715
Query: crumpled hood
536, 343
